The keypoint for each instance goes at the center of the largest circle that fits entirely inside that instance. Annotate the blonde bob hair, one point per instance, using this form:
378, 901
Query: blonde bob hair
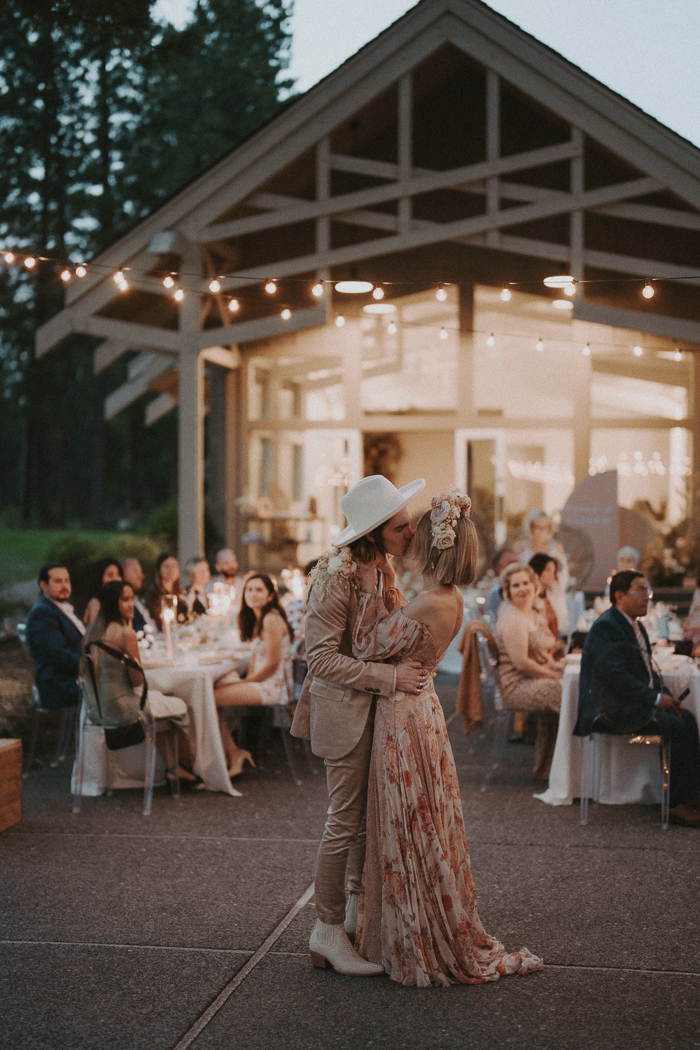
512, 570
454, 565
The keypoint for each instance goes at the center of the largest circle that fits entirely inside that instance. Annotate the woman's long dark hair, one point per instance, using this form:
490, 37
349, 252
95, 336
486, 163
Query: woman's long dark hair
98, 571
246, 617
109, 596
177, 589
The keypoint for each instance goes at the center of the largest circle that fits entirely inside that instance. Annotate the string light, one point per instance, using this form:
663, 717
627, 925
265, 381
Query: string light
587, 350
9, 258
441, 294
178, 295
539, 345
378, 293
353, 287
80, 270
506, 294
215, 286
234, 306
443, 333
119, 277
30, 262
168, 281
561, 280
317, 290
648, 290
491, 341
339, 321
391, 328
678, 356
66, 275
570, 289
637, 351
286, 314
270, 287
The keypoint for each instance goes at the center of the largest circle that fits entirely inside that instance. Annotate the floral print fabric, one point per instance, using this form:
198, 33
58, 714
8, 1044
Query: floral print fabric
418, 914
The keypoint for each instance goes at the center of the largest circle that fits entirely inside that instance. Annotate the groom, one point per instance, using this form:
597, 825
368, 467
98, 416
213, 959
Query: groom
337, 703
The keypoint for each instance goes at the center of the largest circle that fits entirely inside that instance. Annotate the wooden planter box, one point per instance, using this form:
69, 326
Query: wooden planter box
10, 783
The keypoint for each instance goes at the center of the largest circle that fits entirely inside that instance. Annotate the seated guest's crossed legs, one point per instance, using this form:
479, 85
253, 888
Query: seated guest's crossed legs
685, 753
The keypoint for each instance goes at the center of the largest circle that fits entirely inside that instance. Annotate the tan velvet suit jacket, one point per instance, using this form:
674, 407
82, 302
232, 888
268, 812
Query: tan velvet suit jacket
337, 694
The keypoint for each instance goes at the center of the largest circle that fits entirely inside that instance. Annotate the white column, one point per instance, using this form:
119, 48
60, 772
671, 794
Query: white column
190, 457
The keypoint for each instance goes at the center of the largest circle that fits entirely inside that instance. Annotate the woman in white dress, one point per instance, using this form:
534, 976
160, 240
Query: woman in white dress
417, 912
263, 621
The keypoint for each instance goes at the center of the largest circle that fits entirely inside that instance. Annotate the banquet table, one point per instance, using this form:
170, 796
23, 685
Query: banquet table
629, 773
194, 683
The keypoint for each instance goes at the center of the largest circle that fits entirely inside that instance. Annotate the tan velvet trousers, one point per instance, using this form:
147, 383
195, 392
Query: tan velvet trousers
341, 855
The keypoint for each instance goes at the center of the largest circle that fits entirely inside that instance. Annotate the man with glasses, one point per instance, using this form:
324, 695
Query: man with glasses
620, 692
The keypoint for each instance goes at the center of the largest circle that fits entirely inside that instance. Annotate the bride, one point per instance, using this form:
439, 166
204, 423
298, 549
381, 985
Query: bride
417, 911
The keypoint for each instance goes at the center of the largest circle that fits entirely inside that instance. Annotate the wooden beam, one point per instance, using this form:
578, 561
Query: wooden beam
219, 355
682, 220
107, 353
392, 191
638, 321
137, 335
405, 148
159, 407
262, 327
493, 149
154, 368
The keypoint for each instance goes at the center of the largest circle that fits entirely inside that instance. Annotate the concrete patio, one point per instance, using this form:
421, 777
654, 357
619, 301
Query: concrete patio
119, 931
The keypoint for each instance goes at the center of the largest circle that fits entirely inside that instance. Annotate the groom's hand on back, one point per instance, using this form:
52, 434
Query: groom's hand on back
409, 676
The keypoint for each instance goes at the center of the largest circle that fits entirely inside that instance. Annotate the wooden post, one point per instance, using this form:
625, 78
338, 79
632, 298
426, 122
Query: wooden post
191, 456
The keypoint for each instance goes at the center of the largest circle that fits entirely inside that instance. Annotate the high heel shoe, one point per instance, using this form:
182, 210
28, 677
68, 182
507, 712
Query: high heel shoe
236, 767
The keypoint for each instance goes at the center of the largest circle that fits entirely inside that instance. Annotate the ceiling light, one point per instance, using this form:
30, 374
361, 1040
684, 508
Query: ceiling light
353, 287
379, 308
562, 304
559, 281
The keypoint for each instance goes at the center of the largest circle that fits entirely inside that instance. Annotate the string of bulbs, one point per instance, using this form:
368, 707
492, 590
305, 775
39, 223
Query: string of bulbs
172, 281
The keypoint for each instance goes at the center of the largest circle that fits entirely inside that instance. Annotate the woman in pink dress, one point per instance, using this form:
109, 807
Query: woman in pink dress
417, 913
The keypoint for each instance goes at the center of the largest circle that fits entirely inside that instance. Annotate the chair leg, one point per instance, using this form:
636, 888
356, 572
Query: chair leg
666, 790
79, 765
35, 736
175, 782
64, 731
289, 752
150, 771
500, 724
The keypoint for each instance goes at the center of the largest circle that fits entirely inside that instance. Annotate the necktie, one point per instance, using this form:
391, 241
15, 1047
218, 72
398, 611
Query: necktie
645, 652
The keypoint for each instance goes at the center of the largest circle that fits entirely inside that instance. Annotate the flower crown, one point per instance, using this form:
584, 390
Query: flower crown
447, 508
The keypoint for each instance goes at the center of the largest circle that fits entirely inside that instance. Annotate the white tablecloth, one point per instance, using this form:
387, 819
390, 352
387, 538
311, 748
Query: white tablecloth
629, 772
195, 685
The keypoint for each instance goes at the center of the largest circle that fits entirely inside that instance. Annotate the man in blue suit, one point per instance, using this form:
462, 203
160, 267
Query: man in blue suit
620, 692
54, 638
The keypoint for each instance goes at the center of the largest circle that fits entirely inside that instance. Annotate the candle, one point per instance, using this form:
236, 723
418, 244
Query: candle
168, 617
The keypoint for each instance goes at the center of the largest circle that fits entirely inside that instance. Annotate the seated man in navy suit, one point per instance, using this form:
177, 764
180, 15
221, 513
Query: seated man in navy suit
620, 692
54, 638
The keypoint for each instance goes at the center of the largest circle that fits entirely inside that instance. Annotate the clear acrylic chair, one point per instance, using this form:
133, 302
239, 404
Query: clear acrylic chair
500, 723
591, 766
65, 731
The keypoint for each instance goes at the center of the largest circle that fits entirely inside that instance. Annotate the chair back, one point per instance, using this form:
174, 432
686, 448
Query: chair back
107, 692
488, 664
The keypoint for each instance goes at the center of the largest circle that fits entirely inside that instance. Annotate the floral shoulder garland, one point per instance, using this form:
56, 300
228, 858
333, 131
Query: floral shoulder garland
331, 570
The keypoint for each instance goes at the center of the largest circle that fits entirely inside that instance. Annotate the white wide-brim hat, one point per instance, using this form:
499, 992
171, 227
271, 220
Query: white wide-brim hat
372, 502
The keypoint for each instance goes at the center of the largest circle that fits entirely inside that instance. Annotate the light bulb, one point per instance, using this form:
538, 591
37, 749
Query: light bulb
443, 333
118, 277
168, 281
214, 286
648, 290
561, 280
286, 314
317, 290
378, 293
570, 289
587, 350
441, 294
30, 262
80, 271
66, 275
678, 356
391, 328
637, 351
270, 287
123, 286
539, 345
9, 257
506, 294
353, 287
339, 321
234, 306
491, 341
179, 295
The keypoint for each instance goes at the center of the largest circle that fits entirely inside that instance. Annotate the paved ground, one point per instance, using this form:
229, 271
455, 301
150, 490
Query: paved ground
118, 931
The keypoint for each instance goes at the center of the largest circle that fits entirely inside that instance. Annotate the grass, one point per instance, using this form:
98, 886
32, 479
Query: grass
23, 551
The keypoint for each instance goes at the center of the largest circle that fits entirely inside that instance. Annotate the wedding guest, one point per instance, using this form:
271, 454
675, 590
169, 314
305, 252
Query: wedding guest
627, 561
226, 567
103, 571
540, 541
546, 569
119, 687
133, 574
167, 583
54, 636
261, 620
198, 574
531, 678
501, 560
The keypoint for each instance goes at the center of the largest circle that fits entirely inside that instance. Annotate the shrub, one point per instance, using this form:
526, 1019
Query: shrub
162, 525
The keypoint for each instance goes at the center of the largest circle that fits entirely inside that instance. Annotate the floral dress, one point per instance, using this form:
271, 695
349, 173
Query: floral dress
417, 913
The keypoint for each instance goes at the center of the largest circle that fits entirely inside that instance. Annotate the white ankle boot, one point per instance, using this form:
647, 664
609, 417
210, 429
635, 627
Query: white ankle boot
351, 914
329, 946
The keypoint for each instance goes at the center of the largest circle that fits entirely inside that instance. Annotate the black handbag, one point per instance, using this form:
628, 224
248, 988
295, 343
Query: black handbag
117, 737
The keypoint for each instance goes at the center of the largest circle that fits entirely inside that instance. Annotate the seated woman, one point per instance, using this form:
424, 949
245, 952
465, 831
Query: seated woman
261, 620
530, 676
167, 584
105, 570
120, 687
546, 569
